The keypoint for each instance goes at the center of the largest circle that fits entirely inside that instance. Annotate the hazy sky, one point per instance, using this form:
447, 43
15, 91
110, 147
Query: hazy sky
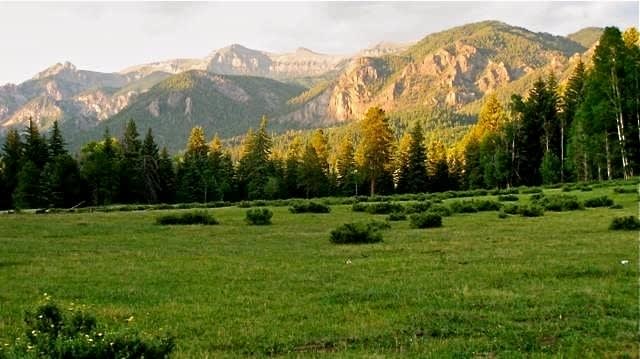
112, 36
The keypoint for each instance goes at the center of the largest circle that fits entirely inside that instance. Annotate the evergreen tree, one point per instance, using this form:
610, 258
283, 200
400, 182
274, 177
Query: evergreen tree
56, 143
196, 181
63, 186
28, 192
401, 173
149, 168
132, 178
35, 146
99, 166
416, 169
346, 166
255, 166
375, 148
166, 178
222, 168
293, 165
12, 159
312, 173
437, 166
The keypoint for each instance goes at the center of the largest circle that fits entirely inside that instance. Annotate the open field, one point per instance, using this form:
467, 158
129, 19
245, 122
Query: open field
478, 286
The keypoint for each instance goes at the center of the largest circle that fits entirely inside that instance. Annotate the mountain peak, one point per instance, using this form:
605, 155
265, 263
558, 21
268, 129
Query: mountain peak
56, 69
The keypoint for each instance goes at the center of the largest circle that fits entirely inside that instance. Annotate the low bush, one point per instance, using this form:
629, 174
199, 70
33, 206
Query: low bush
425, 220
487, 205
616, 206
531, 210
511, 209
628, 223
463, 207
356, 233
309, 207
441, 210
602, 201
397, 216
502, 215
417, 207
359, 207
559, 203
52, 332
623, 190
378, 225
586, 189
530, 190
383, 208
508, 198
193, 217
259, 216
536, 196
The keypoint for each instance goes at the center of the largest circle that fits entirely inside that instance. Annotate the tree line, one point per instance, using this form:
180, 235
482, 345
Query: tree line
586, 130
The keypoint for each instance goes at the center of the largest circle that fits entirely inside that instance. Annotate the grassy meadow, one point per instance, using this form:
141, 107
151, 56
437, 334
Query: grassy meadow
479, 286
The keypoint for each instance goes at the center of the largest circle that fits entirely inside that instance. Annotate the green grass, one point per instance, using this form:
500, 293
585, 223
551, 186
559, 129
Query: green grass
478, 286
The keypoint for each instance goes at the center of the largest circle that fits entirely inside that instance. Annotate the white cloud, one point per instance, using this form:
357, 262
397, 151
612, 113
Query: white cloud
111, 36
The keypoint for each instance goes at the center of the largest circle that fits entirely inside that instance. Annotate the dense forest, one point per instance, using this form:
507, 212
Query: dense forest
587, 129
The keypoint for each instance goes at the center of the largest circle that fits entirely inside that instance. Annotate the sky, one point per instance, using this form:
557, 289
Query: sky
109, 37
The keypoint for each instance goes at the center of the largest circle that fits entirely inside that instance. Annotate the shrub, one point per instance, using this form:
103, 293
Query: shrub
359, 207
487, 205
378, 225
259, 216
536, 196
560, 202
440, 210
55, 333
586, 189
616, 206
529, 190
531, 210
502, 215
309, 207
193, 217
463, 207
397, 216
508, 198
567, 188
417, 207
628, 223
425, 220
623, 190
602, 201
383, 208
511, 209
356, 233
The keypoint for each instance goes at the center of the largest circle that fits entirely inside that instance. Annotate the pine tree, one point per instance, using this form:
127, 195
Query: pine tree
346, 166
28, 192
132, 179
292, 168
312, 172
375, 148
149, 168
437, 166
56, 143
35, 146
166, 178
12, 155
99, 165
416, 171
401, 173
196, 181
255, 166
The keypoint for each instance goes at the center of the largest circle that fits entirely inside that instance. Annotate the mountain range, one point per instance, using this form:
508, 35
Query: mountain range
229, 90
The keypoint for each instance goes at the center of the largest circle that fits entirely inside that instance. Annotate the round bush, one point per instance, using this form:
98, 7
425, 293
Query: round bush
356, 233
531, 211
194, 217
425, 220
397, 216
309, 207
628, 223
259, 216
602, 201
508, 198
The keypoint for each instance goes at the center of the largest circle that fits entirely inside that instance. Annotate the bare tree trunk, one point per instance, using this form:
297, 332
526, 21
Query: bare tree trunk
608, 157
373, 186
562, 152
585, 163
617, 101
